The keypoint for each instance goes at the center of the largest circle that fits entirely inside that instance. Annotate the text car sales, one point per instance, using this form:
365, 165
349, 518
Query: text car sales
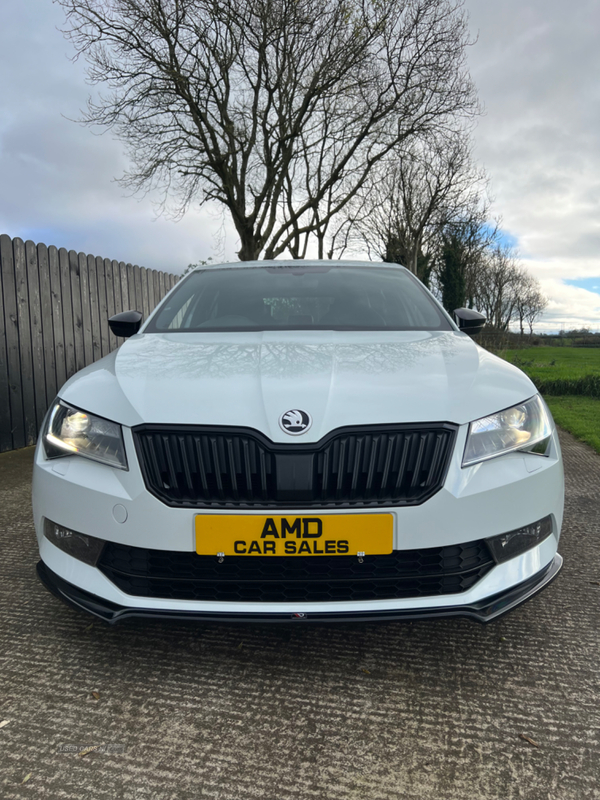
305, 528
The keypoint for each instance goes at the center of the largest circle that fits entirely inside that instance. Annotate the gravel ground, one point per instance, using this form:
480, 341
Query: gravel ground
397, 710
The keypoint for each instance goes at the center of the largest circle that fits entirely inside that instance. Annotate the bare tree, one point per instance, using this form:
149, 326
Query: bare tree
420, 197
535, 305
506, 292
496, 286
276, 109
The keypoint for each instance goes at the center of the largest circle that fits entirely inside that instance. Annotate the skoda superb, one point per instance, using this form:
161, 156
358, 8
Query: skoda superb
298, 441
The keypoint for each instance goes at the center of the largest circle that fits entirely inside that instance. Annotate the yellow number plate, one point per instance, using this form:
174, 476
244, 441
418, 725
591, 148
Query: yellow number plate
306, 535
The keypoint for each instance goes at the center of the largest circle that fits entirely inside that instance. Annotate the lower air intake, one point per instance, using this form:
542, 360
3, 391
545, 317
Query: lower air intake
273, 579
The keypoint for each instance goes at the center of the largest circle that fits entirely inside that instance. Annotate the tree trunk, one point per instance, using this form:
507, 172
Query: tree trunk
251, 247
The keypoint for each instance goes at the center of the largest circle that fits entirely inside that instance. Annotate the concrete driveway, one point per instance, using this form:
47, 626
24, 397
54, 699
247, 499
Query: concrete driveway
414, 710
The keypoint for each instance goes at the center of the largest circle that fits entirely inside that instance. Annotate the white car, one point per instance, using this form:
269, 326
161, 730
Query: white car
298, 440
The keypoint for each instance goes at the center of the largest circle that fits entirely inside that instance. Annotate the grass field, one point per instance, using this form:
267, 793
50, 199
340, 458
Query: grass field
552, 363
578, 415
569, 379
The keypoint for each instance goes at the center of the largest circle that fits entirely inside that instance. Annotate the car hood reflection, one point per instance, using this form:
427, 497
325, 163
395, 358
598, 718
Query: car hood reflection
250, 379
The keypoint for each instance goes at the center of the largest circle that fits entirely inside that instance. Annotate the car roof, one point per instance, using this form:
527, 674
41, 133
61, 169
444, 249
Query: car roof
298, 263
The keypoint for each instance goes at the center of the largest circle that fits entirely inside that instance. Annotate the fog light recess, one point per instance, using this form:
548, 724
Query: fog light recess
79, 545
511, 544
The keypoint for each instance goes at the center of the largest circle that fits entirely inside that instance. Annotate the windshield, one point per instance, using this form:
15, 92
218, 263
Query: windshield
299, 298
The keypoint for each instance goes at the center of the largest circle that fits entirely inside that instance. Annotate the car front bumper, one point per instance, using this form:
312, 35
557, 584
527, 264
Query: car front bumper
483, 611
476, 503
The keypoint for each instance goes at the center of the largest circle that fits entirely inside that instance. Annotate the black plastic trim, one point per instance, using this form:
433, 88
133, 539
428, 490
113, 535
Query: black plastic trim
425, 572
294, 447
125, 324
469, 320
484, 611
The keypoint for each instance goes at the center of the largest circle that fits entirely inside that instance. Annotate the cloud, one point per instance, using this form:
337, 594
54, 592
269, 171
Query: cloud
535, 64
536, 67
59, 178
569, 307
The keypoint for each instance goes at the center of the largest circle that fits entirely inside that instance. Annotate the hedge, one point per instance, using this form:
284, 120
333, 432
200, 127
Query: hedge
587, 385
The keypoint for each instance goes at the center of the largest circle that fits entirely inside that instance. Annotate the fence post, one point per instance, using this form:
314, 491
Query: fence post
56, 302
48, 346
25, 354
13, 428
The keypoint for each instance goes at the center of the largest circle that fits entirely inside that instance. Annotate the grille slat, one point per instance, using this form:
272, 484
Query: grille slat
150, 452
417, 468
325, 471
201, 469
247, 468
388, 462
341, 465
263, 473
356, 468
216, 463
231, 469
403, 573
435, 460
238, 467
406, 443
168, 451
372, 462
183, 446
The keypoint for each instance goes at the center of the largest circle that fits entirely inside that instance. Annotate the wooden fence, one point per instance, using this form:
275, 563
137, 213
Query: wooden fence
54, 310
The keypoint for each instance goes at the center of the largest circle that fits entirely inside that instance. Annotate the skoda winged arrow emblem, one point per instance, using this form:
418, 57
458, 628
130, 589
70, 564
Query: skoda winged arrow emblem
295, 422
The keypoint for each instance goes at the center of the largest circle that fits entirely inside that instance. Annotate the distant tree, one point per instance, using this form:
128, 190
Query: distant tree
497, 286
530, 303
505, 292
276, 110
422, 191
460, 257
452, 273
201, 263
579, 332
536, 305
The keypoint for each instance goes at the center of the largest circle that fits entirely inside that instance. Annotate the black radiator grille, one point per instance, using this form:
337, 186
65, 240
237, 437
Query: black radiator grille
237, 467
277, 579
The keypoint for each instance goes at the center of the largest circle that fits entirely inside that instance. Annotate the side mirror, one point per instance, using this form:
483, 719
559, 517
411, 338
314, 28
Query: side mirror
126, 323
469, 321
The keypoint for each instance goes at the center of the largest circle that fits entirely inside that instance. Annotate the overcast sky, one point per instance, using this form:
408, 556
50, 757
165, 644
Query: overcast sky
537, 68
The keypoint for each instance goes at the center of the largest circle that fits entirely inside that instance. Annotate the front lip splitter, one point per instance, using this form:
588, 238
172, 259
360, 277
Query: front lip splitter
483, 611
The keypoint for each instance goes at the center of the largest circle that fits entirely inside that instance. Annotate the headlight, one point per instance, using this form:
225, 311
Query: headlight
522, 427
71, 431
